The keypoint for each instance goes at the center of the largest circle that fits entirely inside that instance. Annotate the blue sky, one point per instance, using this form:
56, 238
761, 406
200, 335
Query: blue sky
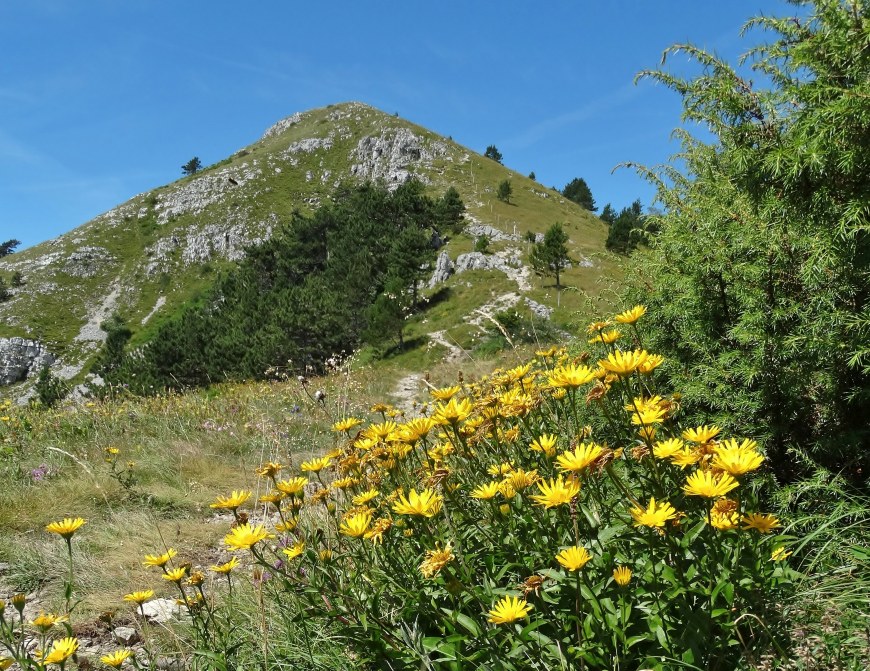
104, 99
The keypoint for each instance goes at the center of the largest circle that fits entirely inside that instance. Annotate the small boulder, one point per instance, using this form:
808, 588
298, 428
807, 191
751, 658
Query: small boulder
125, 635
161, 610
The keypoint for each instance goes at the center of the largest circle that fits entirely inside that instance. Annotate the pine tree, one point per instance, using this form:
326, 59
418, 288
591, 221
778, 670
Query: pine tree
504, 191
493, 153
550, 257
578, 191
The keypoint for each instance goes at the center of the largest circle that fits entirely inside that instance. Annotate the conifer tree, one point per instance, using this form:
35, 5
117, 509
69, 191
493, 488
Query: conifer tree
550, 257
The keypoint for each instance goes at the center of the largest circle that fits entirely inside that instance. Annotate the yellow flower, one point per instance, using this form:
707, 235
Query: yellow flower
685, 458
453, 412
65, 528
245, 536
779, 554
654, 516
381, 432
630, 316
701, 434
573, 558
5, 662
582, 456
343, 483
375, 534
325, 555
649, 416
316, 465
356, 525
545, 443
762, 523
196, 579
116, 659
623, 362
597, 326
570, 376
500, 469
652, 362
139, 597
346, 424
225, 569
724, 521
286, 526
269, 469
46, 621
664, 449
485, 491
427, 503
704, 483
736, 459
293, 486
417, 429
175, 574
272, 497
436, 560
520, 479
365, 497
294, 550
159, 560
61, 650
509, 609
556, 492
605, 337
232, 501
445, 393
622, 575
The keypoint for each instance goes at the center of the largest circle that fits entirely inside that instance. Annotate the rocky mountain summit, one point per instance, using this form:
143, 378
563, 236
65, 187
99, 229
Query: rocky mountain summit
145, 258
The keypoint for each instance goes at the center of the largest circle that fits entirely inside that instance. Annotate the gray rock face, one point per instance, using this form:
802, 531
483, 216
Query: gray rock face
125, 635
20, 358
494, 234
392, 156
444, 268
282, 125
87, 261
540, 311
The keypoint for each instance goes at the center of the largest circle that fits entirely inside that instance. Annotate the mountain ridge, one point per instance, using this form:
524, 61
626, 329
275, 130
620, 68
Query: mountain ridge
148, 256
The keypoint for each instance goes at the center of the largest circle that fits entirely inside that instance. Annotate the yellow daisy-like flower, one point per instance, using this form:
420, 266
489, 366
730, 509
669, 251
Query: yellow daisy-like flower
452, 412
159, 560
233, 501
376, 532
269, 469
724, 521
605, 337
623, 363
365, 497
226, 568
649, 416
294, 550
545, 443
761, 523
705, 483
598, 326
46, 621
652, 362
66, 527
509, 609
272, 497
381, 432
686, 457
316, 465
343, 483
286, 526
427, 503
486, 491
417, 429
500, 469
582, 456
175, 574
436, 560
630, 316
140, 596
701, 434
556, 492
520, 479
445, 393
5, 662
655, 515
356, 525
325, 555
291, 486
116, 659
574, 558
570, 377
245, 536
779, 554
346, 424
622, 575
664, 449
735, 459
61, 650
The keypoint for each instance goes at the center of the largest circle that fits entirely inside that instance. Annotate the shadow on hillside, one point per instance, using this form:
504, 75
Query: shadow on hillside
436, 298
409, 344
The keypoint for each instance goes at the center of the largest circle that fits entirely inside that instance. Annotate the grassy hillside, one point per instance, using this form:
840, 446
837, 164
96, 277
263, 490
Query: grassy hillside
150, 255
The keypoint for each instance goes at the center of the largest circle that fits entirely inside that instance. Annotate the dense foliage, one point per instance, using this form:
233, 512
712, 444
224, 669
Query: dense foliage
758, 277
316, 288
550, 256
626, 229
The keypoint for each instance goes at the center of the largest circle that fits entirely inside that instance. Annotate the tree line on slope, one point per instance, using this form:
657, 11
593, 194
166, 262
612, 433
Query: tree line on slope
323, 283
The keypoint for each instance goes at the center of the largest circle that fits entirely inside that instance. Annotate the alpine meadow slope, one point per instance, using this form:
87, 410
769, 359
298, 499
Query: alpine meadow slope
153, 254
